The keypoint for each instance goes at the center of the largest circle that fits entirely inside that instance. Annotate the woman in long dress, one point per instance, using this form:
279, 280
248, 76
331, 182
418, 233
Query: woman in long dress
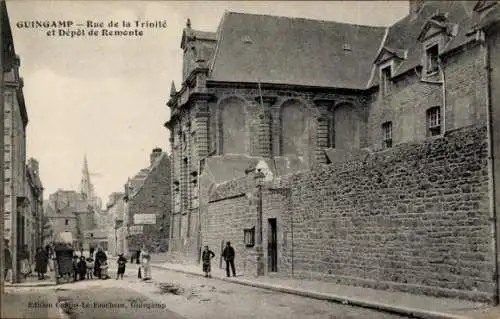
41, 260
146, 263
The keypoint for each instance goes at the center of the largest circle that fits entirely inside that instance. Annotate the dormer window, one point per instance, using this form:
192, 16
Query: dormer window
386, 75
432, 59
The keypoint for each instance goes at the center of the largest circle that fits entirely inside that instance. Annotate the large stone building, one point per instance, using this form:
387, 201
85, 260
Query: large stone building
147, 207
374, 148
34, 217
15, 120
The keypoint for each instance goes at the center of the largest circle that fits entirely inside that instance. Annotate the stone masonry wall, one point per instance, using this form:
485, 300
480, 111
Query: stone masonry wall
227, 214
154, 198
414, 218
417, 215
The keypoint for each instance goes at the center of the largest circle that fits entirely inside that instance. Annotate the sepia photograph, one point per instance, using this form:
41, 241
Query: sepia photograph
250, 159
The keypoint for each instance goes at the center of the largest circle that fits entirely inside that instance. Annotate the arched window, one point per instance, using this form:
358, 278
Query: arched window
232, 125
293, 128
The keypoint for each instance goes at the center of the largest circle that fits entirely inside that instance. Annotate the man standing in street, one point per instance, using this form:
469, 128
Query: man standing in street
228, 255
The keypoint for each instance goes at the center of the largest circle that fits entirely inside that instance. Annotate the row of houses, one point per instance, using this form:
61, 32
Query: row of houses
358, 154
21, 200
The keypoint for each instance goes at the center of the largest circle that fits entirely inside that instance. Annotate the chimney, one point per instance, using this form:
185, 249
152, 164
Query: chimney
415, 6
154, 155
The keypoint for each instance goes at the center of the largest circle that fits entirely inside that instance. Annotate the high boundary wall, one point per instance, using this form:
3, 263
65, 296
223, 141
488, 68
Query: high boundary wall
414, 218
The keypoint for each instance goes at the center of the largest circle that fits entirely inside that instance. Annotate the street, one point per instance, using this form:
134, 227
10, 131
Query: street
174, 295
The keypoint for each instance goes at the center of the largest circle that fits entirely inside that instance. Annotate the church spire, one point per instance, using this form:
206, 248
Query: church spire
85, 185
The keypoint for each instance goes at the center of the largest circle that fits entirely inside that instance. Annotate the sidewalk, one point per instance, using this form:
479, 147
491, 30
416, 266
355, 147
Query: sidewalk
33, 281
418, 306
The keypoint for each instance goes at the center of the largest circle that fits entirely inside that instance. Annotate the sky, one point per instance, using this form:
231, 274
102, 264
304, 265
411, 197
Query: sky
106, 96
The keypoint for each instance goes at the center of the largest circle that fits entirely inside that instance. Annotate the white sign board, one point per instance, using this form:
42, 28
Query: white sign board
66, 237
144, 219
135, 230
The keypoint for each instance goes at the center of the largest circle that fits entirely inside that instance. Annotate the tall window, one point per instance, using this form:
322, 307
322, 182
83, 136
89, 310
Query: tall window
432, 54
387, 134
434, 121
66, 222
386, 79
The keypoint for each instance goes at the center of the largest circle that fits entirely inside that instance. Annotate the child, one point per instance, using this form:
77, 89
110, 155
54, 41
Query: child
82, 268
122, 261
104, 270
90, 268
75, 267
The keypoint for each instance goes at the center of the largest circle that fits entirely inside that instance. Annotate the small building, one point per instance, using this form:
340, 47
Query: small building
69, 211
147, 206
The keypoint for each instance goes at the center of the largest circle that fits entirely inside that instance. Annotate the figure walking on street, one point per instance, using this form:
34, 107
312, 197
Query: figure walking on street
137, 256
41, 261
122, 261
75, 267
100, 259
228, 255
207, 258
24, 256
146, 263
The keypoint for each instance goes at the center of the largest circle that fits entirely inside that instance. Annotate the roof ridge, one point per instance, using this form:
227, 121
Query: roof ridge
306, 19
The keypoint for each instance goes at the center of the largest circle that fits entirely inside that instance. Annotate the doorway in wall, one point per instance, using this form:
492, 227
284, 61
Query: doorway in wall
272, 246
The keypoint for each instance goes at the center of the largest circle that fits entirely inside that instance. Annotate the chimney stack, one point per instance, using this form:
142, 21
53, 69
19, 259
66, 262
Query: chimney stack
154, 155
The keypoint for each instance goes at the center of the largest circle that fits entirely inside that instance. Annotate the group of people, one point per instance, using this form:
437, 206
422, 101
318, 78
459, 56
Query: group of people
87, 268
228, 254
42, 261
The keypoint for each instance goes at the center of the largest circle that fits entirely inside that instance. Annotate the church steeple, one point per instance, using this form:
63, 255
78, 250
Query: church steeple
85, 184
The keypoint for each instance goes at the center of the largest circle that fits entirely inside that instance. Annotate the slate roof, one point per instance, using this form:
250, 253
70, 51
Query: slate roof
255, 48
136, 183
282, 50
403, 35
